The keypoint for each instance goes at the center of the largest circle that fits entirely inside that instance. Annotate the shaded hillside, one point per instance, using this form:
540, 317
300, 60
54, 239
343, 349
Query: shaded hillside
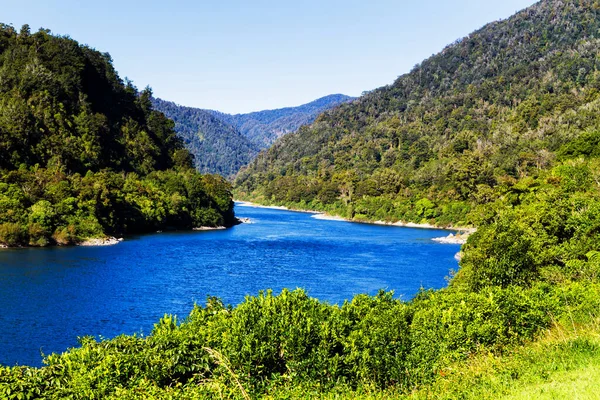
506, 102
83, 154
264, 127
217, 146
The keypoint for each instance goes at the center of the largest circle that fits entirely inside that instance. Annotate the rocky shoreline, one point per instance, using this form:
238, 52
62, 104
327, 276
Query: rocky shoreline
209, 228
459, 238
109, 241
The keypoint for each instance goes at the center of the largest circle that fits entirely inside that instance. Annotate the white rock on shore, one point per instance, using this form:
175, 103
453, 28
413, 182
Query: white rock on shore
209, 228
452, 239
101, 241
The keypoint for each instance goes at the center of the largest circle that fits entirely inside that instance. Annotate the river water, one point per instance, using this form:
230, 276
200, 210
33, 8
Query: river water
50, 296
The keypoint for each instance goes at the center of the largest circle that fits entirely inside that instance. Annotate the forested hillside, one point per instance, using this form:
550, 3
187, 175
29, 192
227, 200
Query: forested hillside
264, 127
510, 100
218, 147
223, 143
83, 154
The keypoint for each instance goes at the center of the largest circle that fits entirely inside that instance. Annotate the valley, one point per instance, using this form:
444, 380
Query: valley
497, 134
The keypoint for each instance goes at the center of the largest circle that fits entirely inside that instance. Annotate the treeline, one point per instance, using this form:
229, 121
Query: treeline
83, 154
509, 101
40, 206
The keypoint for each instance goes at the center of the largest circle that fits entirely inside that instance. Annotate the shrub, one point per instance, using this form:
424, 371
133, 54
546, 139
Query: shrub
12, 235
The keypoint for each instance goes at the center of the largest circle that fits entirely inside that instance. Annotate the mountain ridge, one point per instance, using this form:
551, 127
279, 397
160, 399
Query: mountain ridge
223, 143
266, 126
218, 147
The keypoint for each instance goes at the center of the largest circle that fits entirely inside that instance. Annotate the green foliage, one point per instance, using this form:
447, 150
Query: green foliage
84, 155
500, 254
65, 209
11, 234
504, 103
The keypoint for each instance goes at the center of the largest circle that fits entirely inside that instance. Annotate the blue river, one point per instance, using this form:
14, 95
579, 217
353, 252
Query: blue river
51, 296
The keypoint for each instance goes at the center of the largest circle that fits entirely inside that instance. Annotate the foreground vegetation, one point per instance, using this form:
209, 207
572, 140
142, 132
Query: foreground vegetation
290, 346
83, 154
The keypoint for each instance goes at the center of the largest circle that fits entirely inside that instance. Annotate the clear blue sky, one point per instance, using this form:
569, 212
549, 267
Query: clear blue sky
240, 56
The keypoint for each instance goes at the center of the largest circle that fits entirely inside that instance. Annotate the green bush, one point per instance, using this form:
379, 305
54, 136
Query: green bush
38, 235
12, 234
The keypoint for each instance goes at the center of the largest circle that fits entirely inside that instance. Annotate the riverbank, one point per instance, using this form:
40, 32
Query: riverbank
460, 237
242, 203
109, 241
209, 228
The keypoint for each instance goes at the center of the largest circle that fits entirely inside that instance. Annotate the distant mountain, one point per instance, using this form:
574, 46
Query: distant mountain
217, 146
223, 143
264, 127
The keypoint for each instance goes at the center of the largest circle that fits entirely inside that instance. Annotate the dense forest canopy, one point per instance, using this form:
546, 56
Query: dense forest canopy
514, 98
83, 154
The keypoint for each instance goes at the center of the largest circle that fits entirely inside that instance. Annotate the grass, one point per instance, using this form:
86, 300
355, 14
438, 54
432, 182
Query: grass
564, 364
579, 384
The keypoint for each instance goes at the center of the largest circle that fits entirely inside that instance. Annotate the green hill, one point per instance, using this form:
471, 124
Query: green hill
83, 154
511, 99
217, 147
